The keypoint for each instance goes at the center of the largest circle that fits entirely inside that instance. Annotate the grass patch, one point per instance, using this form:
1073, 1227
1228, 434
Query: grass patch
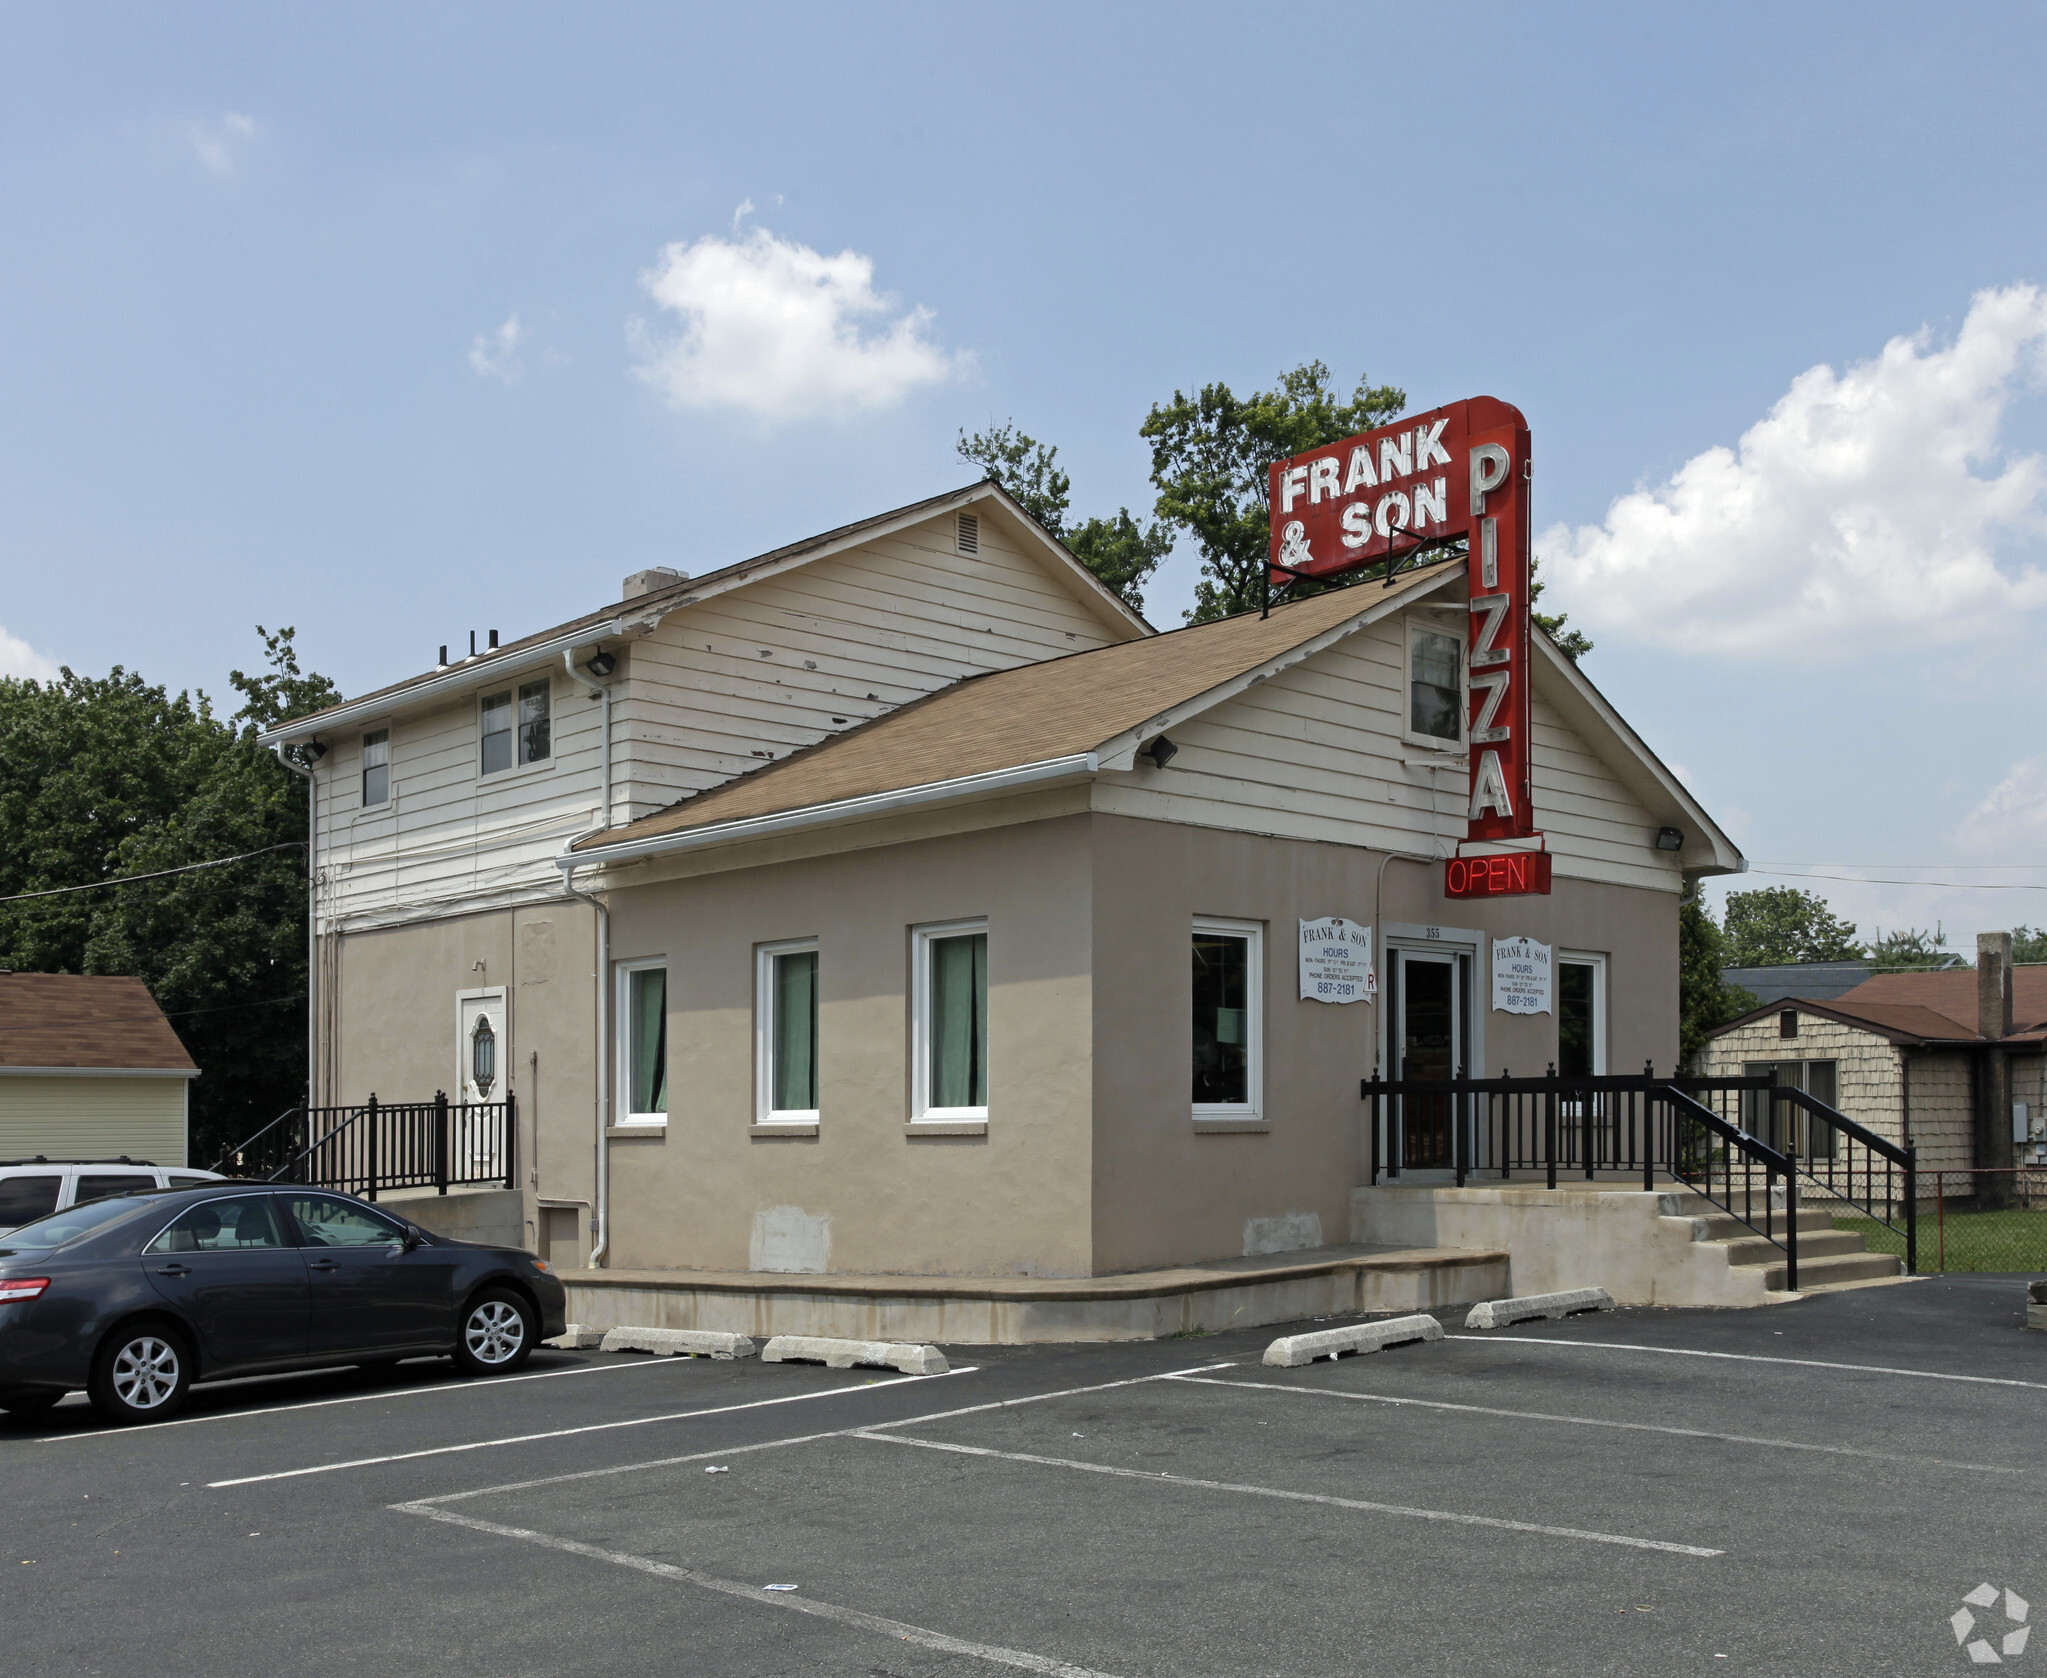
2013, 1240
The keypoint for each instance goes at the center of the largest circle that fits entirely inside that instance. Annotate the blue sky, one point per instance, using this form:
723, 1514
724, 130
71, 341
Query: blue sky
378, 321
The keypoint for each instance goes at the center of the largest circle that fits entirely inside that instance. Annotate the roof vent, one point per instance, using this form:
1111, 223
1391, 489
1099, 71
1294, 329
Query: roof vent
653, 578
970, 533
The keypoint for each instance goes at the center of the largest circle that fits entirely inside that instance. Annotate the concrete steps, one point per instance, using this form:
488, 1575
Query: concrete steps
1829, 1259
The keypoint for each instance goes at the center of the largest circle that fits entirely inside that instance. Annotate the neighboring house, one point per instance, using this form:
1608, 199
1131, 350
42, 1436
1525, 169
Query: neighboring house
89, 1069
931, 915
1950, 1059
1820, 980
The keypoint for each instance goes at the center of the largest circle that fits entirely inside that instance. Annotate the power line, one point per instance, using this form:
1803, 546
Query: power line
187, 1013
1878, 880
160, 874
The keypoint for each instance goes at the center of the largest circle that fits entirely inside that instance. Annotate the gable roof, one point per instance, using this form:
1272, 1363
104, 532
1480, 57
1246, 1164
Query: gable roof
1952, 991
643, 612
86, 1022
1906, 1025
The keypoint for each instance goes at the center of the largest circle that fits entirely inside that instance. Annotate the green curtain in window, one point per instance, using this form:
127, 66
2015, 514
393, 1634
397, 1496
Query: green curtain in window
959, 1021
649, 1040
795, 1045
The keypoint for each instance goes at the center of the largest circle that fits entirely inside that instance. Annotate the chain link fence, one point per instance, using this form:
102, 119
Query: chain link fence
1970, 1221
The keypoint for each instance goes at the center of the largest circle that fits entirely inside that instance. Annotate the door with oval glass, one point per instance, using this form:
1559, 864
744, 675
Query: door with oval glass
1426, 1028
483, 1061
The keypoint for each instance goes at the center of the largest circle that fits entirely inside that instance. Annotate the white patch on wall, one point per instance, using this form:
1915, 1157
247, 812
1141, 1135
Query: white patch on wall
536, 953
1290, 1232
788, 1239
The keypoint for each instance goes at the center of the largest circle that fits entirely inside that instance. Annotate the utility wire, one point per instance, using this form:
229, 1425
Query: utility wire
160, 874
1879, 880
187, 1013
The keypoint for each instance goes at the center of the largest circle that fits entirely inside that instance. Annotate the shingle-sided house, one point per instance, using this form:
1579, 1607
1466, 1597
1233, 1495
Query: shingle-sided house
89, 1069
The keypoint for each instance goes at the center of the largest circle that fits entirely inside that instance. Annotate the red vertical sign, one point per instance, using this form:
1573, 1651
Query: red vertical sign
1457, 471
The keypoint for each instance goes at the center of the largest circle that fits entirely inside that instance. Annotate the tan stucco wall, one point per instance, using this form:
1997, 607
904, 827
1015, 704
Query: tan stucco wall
865, 1195
93, 1118
1168, 1191
394, 1024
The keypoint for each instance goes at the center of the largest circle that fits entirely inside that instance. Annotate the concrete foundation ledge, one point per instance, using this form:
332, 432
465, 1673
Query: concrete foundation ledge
1293, 1350
845, 1354
678, 1342
1498, 1313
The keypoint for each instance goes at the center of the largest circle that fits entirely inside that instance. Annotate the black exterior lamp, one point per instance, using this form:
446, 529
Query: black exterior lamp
1161, 751
602, 665
1670, 839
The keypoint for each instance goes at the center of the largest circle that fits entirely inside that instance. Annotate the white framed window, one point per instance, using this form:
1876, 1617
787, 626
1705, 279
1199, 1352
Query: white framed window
785, 1032
515, 727
376, 767
949, 1021
1229, 1019
1433, 707
639, 1092
1581, 1014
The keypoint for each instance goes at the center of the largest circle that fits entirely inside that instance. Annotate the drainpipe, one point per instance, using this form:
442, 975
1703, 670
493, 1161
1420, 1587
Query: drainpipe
1379, 930
312, 924
566, 862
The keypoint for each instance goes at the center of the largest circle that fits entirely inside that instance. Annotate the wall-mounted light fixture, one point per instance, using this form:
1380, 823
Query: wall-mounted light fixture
1161, 751
314, 751
602, 665
1670, 839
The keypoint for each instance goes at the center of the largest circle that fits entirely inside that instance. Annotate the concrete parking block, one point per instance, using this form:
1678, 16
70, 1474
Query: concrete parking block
1293, 1350
679, 1342
577, 1337
1498, 1313
844, 1354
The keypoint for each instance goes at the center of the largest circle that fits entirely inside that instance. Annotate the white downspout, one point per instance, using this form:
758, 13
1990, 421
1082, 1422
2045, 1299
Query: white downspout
312, 925
566, 862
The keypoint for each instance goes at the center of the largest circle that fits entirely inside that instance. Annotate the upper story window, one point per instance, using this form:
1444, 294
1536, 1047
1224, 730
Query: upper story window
1435, 686
376, 767
520, 731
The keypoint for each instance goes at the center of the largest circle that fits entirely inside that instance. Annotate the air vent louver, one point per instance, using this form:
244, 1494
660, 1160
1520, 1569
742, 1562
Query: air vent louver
970, 533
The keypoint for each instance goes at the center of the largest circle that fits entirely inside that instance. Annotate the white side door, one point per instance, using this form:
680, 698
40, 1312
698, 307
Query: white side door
483, 1059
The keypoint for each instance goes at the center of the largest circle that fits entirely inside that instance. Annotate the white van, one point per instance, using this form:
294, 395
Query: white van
34, 1188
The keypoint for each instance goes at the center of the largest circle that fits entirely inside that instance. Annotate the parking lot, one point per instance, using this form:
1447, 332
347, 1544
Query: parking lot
1802, 1490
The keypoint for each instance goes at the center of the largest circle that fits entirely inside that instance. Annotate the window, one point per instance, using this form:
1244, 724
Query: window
105, 1185
1435, 685
1581, 1016
785, 1029
1229, 990
641, 1096
376, 767
221, 1226
1784, 1125
24, 1199
1787, 1023
528, 733
336, 1223
950, 1022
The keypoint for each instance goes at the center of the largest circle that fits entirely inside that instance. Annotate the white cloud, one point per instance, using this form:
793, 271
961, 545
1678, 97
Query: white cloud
495, 355
2011, 820
18, 658
1868, 506
773, 328
219, 143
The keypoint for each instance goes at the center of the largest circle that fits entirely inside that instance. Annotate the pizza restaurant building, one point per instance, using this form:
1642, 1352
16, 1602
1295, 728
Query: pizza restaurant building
1072, 969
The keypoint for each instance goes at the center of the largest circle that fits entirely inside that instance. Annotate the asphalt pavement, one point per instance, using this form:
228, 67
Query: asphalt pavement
1806, 1489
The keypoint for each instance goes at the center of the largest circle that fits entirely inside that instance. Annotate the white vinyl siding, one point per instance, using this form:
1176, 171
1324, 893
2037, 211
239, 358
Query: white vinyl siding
83, 1117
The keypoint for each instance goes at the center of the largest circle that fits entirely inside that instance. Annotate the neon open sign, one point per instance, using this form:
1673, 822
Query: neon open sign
1515, 874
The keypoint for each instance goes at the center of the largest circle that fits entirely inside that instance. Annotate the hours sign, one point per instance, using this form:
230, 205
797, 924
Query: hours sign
1336, 961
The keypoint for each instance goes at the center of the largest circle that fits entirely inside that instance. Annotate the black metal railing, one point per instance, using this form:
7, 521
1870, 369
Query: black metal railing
379, 1145
1648, 1131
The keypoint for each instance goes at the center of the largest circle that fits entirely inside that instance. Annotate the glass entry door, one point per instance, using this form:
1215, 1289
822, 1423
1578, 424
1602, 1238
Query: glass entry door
1426, 1034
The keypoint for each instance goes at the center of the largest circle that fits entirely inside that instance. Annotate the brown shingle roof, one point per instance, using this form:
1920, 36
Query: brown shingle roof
84, 1020
1004, 719
1952, 991
1904, 1023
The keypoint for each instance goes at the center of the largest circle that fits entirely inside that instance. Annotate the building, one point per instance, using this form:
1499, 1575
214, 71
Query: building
90, 1069
1820, 980
899, 903
1950, 1060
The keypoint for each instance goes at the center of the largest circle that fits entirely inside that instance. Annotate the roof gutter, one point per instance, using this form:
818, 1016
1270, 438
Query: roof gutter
1072, 767
454, 679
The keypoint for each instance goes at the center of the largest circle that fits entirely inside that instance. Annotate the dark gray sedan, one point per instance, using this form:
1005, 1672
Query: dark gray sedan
137, 1297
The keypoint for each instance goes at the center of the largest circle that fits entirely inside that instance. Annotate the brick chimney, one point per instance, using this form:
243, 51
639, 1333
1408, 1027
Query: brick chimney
1993, 984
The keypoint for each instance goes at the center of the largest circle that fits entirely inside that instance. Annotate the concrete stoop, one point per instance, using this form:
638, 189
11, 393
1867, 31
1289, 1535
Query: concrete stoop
1645, 1247
1019, 1310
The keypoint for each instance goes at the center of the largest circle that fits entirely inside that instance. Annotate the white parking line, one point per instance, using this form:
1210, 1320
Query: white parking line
1737, 1357
1159, 1479
456, 1385
1596, 1421
808, 1438
901, 1630
588, 1427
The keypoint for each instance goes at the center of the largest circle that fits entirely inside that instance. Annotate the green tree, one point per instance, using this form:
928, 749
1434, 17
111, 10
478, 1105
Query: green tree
1574, 644
1775, 924
1209, 454
1912, 948
107, 777
1704, 997
2028, 943
1118, 550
